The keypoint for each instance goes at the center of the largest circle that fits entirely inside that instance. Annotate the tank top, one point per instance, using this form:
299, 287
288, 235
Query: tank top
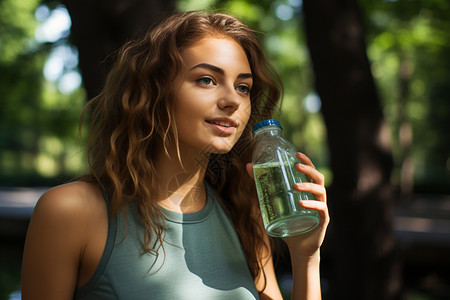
202, 258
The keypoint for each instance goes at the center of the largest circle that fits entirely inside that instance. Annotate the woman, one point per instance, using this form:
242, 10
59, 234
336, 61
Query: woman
168, 210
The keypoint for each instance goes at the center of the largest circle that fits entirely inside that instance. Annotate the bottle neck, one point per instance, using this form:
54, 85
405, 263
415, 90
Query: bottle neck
267, 131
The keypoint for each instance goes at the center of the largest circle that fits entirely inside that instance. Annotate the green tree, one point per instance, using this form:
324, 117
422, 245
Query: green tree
409, 48
100, 27
361, 239
37, 122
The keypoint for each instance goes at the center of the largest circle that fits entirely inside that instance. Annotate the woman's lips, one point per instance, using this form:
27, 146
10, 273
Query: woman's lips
223, 126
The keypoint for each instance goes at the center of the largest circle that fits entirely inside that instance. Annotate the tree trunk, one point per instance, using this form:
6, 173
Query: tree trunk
361, 245
99, 27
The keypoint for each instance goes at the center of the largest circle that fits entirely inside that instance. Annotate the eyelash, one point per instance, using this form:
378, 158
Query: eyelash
202, 81
210, 80
247, 89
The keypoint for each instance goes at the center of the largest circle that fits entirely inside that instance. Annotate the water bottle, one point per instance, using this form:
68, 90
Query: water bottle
274, 160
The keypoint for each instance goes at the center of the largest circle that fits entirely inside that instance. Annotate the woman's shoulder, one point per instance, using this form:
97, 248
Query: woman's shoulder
68, 229
81, 189
74, 211
78, 199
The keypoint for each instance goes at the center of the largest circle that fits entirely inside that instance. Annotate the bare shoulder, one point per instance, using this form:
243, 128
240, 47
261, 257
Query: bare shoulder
71, 208
77, 192
75, 199
77, 208
68, 221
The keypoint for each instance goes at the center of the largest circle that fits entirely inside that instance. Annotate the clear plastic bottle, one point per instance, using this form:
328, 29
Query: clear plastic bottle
274, 160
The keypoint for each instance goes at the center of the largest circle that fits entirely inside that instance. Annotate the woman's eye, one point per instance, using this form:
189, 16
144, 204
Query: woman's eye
206, 81
243, 89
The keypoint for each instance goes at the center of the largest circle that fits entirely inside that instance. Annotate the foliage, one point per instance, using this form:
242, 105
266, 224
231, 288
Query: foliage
38, 123
408, 44
279, 26
412, 35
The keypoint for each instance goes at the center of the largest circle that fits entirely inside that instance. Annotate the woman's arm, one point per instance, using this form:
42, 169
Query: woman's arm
54, 244
267, 279
304, 249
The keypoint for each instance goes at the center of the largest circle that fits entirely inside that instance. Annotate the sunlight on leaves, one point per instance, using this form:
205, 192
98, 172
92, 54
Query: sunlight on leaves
188, 5
16, 27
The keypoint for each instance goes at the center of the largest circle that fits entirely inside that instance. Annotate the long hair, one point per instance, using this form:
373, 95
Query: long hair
134, 113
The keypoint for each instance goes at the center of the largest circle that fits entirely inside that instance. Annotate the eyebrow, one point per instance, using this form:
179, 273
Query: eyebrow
219, 70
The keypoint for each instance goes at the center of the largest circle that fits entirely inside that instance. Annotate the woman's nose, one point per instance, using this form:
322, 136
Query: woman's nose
229, 100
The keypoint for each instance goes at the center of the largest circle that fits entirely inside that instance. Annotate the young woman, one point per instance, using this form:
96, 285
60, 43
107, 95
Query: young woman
169, 209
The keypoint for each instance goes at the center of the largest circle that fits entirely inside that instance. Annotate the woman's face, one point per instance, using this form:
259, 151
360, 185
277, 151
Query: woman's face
212, 105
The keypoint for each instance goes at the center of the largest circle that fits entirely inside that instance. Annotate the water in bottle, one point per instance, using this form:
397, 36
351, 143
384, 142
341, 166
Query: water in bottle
274, 163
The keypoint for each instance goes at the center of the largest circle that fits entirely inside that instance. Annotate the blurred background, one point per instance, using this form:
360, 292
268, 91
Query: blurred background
367, 87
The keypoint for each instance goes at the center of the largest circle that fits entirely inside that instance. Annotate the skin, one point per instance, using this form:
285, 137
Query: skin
304, 249
68, 229
65, 241
215, 88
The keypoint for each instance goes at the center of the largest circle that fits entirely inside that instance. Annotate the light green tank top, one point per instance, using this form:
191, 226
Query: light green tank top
203, 260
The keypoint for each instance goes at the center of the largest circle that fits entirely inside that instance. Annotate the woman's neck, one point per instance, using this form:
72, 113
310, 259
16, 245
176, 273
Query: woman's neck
181, 182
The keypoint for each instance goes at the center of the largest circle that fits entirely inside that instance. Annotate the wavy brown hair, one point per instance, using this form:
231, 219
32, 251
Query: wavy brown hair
134, 114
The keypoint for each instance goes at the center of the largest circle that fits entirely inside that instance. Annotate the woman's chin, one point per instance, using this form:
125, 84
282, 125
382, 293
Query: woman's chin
220, 149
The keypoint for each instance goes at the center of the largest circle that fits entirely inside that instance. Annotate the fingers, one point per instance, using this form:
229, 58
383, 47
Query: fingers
305, 159
319, 191
311, 172
317, 188
313, 204
321, 207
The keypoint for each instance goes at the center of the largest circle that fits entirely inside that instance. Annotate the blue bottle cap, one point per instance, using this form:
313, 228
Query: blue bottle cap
266, 123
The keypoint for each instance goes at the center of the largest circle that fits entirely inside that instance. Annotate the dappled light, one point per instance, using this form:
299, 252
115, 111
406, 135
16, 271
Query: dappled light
312, 103
399, 145
43, 100
54, 24
423, 225
62, 63
369, 179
